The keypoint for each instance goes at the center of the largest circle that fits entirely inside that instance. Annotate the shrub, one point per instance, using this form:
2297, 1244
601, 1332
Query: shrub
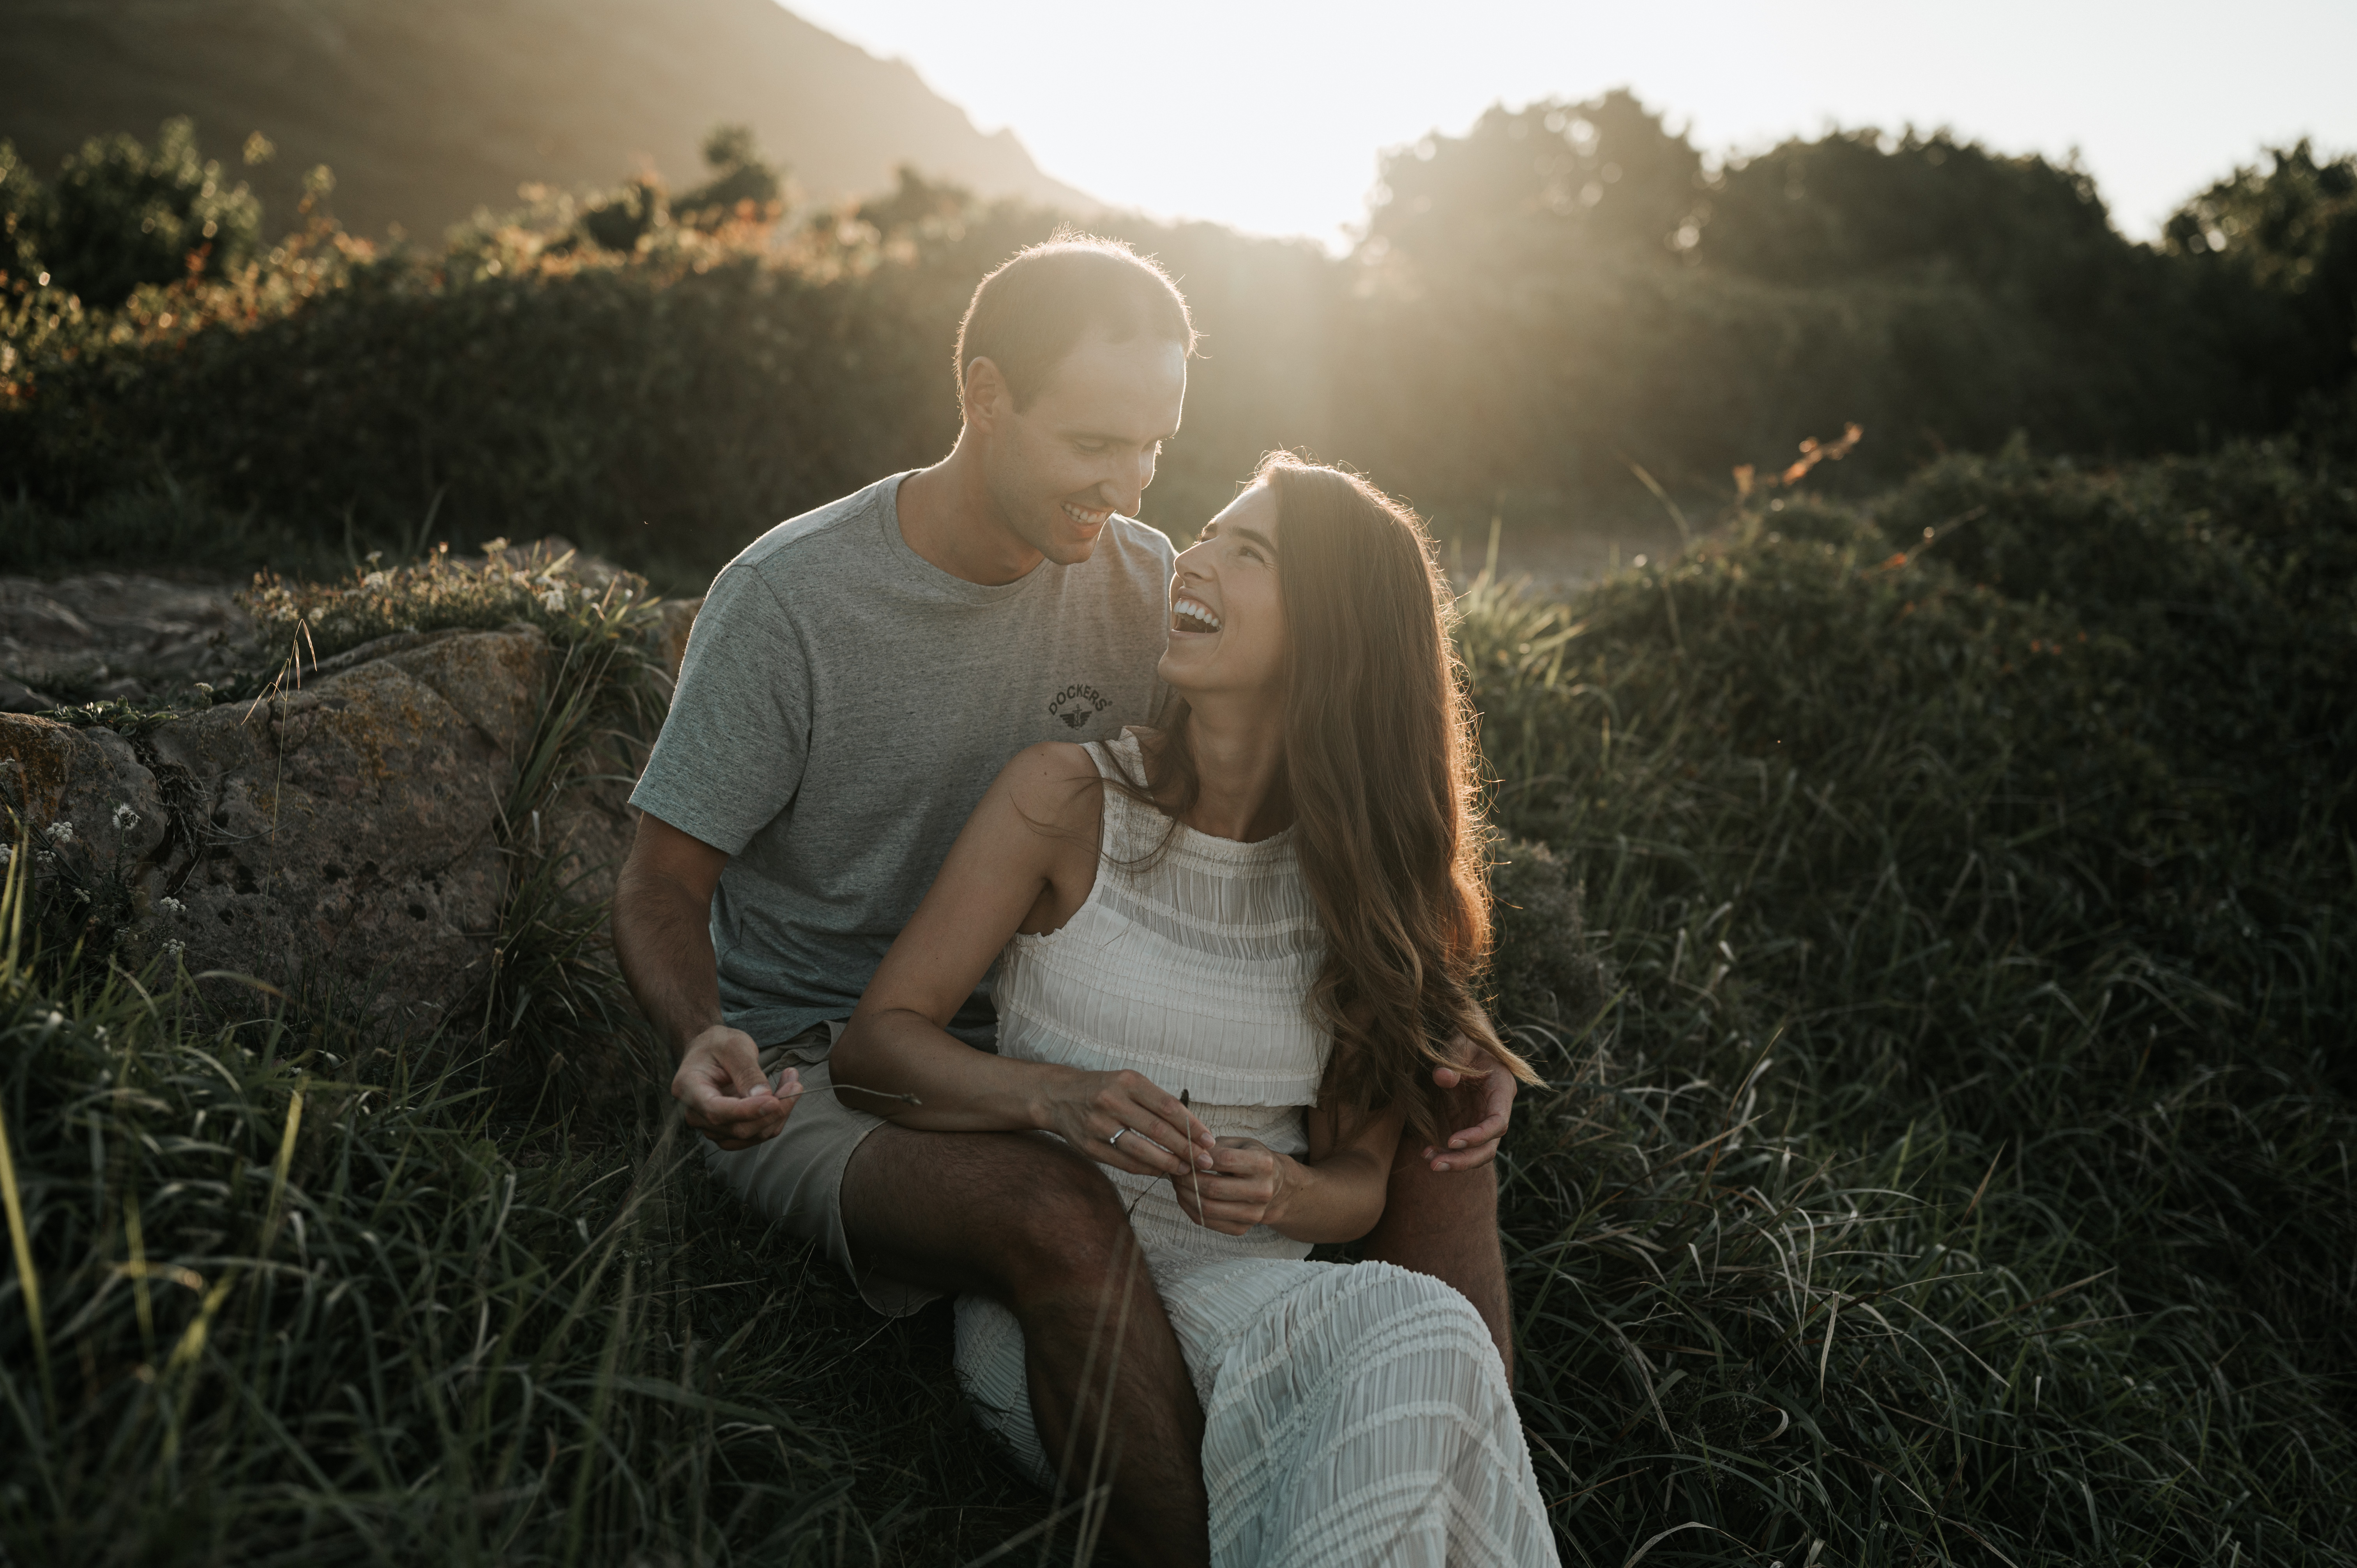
662, 377
120, 214
1979, 911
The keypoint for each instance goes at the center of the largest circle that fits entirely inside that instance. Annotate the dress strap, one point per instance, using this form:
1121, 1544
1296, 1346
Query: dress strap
1132, 827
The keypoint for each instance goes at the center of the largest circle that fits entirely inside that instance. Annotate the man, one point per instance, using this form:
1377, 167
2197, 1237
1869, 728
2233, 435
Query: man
854, 680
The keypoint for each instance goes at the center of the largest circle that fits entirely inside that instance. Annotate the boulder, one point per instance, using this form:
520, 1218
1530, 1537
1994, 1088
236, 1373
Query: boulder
352, 828
348, 832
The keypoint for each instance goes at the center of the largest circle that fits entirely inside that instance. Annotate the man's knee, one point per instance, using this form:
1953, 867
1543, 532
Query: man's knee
1069, 1224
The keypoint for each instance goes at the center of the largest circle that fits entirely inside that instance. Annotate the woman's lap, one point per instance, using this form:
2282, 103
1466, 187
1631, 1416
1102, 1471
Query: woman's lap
1340, 1403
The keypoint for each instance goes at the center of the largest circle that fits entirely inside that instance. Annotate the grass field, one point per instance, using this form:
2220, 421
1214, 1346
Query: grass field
1934, 917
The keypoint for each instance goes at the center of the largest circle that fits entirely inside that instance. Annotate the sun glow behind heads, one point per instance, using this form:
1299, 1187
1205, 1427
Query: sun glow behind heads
1268, 114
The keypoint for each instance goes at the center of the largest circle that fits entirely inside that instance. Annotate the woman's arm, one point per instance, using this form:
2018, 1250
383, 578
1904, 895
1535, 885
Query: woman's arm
1335, 1194
1025, 862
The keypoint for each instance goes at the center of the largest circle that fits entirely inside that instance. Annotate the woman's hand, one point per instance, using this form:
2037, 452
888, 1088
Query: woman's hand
1249, 1184
1156, 1135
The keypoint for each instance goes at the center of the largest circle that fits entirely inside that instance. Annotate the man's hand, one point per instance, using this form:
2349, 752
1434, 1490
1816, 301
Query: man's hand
723, 1094
1480, 1106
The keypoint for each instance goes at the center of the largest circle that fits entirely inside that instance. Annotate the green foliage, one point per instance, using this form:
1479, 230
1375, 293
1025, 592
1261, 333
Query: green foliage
1580, 292
305, 1306
741, 184
1855, 204
1541, 186
1979, 902
1564, 294
534, 584
25, 207
2278, 251
621, 219
1938, 944
144, 520
1545, 973
120, 214
742, 189
661, 407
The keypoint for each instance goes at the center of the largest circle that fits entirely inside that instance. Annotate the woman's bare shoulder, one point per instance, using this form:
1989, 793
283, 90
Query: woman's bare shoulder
1054, 783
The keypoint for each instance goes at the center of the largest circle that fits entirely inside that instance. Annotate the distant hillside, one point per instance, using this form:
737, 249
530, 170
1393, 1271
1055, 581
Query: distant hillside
427, 109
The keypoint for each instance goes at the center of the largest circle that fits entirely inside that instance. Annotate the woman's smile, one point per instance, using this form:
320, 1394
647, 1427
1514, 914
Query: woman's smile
1191, 616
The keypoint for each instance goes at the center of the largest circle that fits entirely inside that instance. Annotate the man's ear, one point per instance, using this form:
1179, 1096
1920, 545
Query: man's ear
987, 398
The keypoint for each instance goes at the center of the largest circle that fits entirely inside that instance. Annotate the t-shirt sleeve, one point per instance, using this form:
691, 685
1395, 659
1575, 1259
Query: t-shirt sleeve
731, 752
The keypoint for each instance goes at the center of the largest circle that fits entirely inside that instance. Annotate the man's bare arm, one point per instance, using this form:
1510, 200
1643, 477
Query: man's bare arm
662, 936
1483, 1105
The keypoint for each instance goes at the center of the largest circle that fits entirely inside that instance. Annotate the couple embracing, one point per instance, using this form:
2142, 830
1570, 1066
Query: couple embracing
1086, 931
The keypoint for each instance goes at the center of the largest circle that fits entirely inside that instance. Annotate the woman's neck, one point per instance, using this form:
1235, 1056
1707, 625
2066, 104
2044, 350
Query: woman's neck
1237, 742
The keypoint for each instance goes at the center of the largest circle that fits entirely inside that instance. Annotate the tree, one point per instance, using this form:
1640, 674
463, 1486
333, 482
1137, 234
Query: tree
1536, 184
2290, 236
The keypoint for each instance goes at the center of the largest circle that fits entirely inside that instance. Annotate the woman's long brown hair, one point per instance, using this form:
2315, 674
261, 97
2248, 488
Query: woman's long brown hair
1379, 769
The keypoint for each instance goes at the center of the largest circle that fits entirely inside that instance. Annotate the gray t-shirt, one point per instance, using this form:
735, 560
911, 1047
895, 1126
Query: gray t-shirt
843, 706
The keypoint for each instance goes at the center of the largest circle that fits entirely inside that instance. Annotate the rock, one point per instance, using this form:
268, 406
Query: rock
89, 783
351, 830
125, 636
15, 697
347, 832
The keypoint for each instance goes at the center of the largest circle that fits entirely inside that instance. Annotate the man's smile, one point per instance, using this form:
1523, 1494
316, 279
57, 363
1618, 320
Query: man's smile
1087, 516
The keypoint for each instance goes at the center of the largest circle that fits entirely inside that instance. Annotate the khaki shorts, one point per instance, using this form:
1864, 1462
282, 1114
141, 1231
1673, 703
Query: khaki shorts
796, 1178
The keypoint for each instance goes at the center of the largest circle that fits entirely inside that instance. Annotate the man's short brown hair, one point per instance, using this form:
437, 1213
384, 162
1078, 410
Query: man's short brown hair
1029, 312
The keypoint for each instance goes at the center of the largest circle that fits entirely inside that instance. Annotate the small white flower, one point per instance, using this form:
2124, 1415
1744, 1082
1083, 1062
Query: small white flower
377, 580
171, 905
553, 600
125, 819
6, 855
174, 949
44, 861
60, 832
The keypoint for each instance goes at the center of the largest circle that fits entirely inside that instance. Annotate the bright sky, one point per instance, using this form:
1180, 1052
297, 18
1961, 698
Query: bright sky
1267, 114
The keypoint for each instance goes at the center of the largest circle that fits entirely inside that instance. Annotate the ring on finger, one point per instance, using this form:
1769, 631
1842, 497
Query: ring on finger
1116, 1137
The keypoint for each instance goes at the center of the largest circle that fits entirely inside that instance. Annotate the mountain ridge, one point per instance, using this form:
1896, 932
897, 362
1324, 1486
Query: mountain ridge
432, 109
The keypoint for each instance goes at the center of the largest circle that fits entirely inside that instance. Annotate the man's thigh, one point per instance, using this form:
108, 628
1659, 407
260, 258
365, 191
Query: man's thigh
980, 1212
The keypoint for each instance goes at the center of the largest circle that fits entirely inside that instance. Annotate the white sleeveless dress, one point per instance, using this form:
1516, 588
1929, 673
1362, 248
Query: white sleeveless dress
1352, 1415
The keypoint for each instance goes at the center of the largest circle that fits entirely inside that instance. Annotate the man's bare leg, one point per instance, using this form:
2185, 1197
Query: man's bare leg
1039, 1229
1445, 1224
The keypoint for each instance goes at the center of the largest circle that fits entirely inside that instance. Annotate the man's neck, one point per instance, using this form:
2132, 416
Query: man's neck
1238, 741
948, 518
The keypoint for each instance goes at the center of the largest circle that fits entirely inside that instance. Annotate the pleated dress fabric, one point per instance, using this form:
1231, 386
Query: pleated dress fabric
1352, 1415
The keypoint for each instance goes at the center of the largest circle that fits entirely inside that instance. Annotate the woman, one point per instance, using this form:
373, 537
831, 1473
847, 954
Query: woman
1269, 906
